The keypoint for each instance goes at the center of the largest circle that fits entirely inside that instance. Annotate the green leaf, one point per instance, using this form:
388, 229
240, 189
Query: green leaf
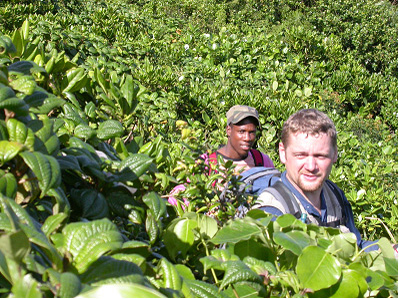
6, 92
343, 246
84, 131
69, 285
8, 184
75, 80
91, 203
171, 277
295, 241
208, 226
137, 163
6, 45
153, 227
47, 141
16, 105
121, 290
317, 269
8, 150
179, 236
237, 271
217, 259
88, 241
27, 287
109, 270
46, 169
156, 204
236, 231
14, 245
18, 132
25, 84
264, 268
109, 129
252, 248
201, 289
391, 263
129, 91
52, 223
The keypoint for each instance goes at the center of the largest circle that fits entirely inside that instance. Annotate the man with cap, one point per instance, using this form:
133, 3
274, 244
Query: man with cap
242, 123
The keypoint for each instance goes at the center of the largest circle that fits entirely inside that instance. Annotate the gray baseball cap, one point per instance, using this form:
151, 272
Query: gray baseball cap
239, 112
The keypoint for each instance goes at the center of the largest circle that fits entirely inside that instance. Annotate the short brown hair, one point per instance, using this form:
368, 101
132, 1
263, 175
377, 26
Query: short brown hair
309, 121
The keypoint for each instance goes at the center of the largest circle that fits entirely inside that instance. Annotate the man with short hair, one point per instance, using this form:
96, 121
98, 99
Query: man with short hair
308, 149
242, 123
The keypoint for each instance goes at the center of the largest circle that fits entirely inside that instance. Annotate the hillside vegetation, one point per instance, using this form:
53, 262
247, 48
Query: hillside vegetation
105, 106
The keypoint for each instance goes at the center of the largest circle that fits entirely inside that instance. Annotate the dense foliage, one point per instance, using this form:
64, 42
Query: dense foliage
105, 106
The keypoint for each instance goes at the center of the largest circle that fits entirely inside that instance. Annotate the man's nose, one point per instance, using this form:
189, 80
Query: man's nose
310, 163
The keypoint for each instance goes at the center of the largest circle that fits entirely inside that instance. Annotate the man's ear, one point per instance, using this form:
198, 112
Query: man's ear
281, 151
335, 158
228, 131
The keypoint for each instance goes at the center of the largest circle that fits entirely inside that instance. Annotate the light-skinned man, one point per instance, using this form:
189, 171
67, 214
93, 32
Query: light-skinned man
308, 149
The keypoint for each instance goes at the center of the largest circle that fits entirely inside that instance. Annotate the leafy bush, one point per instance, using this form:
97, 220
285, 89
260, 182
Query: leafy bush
106, 106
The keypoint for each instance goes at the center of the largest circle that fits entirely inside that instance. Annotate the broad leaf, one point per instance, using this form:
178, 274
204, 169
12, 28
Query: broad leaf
236, 231
109, 129
8, 150
156, 204
237, 271
317, 269
89, 241
46, 169
294, 241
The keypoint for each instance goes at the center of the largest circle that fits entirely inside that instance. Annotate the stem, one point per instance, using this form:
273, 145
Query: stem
235, 292
207, 254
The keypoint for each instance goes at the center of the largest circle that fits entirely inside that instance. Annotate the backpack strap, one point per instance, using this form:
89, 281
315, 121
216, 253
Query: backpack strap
338, 195
258, 158
286, 198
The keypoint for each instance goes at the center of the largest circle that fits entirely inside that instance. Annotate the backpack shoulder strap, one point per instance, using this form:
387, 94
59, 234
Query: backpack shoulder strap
285, 197
258, 158
338, 195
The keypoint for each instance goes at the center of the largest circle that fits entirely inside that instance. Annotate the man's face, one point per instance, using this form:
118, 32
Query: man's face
308, 160
241, 138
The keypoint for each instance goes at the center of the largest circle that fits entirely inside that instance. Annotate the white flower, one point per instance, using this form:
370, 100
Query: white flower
181, 78
214, 46
186, 47
207, 35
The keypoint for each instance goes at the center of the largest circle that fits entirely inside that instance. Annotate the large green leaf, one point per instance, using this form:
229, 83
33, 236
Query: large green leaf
75, 80
317, 269
136, 163
156, 204
8, 150
237, 271
129, 91
46, 169
18, 132
121, 290
28, 287
343, 246
109, 129
236, 231
294, 241
201, 289
179, 236
14, 245
47, 141
91, 203
88, 241
171, 277
52, 223
108, 270
391, 263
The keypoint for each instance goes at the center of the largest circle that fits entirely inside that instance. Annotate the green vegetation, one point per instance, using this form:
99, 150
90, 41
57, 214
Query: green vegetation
105, 106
